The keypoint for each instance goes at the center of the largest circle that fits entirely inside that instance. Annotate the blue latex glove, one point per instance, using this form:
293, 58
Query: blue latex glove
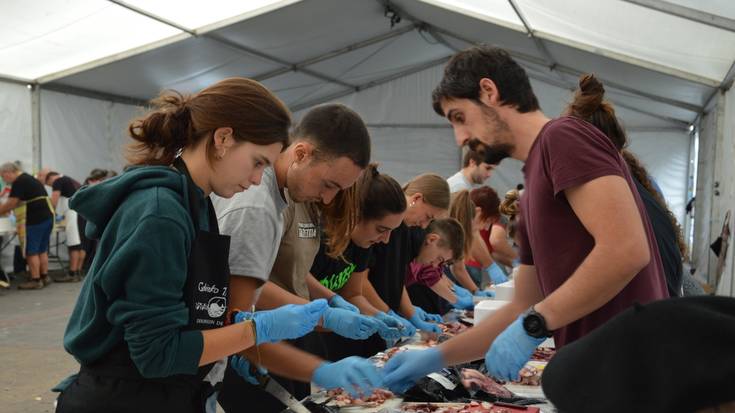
434, 318
348, 324
405, 368
516, 262
390, 334
390, 328
241, 365
355, 375
464, 298
286, 322
408, 329
424, 325
497, 275
483, 293
338, 302
510, 351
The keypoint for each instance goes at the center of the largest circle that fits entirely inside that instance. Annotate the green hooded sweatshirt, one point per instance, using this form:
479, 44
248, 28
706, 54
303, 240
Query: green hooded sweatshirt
133, 292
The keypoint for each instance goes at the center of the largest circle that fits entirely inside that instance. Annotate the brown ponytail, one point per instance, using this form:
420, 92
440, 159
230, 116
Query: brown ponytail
180, 121
373, 196
510, 207
462, 209
589, 105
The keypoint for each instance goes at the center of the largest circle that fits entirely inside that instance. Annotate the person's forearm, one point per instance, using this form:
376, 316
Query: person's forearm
406, 306
363, 304
316, 289
8, 205
463, 277
601, 276
272, 296
225, 341
443, 288
55, 195
479, 251
368, 291
503, 252
473, 343
285, 360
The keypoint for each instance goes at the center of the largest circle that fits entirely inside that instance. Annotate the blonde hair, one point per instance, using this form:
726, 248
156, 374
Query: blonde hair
462, 209
9, 167
433, 188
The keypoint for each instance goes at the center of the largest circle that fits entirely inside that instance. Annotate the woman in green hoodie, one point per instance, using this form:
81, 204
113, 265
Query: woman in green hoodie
152, 319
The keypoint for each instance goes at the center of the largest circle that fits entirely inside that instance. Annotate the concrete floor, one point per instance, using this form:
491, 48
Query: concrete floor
32, 357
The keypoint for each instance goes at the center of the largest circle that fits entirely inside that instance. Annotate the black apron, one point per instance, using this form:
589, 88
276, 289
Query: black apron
113, 383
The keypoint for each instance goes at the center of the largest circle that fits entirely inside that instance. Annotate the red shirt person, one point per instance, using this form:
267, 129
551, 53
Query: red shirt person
587, 246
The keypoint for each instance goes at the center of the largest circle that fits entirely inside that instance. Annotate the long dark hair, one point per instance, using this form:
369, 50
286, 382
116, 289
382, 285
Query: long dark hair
373, 196
589, 105
181, 121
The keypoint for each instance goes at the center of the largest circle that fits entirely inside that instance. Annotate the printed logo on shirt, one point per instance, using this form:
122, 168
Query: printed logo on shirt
307, 230
336, 281
215, 307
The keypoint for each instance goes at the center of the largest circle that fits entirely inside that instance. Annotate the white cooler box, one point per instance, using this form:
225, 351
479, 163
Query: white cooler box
505, 290
487, 307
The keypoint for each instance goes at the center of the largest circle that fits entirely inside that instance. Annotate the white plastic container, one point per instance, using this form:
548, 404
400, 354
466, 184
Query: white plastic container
505, 290
485, 308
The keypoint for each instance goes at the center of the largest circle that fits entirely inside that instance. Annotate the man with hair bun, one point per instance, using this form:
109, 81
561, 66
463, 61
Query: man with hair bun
587, 249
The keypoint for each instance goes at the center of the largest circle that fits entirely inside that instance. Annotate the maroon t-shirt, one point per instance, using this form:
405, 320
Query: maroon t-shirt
569, 152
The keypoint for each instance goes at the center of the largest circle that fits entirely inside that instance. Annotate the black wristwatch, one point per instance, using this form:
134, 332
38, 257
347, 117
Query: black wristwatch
535, 324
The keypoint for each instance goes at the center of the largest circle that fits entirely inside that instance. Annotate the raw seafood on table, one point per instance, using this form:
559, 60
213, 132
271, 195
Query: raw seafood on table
381, 358
530, 376
473, 407
452, 328
475, 380
543, 354
341, 398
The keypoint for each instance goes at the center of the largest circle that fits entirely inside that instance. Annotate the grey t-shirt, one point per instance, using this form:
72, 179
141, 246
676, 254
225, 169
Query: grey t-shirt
254, 221
458, 182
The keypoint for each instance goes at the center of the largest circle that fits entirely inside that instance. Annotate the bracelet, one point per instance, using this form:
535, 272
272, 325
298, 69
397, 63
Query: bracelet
255, 340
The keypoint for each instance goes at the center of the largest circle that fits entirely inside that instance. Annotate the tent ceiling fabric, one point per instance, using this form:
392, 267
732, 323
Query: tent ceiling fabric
313, 50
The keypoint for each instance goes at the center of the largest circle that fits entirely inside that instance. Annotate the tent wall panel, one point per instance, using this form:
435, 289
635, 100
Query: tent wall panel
404, 153
724, 173
79, 134
701, 257
16, 133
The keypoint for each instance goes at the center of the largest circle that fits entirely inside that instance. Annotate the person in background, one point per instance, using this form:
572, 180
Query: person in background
89, 245
589, 105
63, 188
492, 229
380, 204
428, 287
41, 175
35, 218
154, 313
275, 234
475, 171
587, 248
427, 197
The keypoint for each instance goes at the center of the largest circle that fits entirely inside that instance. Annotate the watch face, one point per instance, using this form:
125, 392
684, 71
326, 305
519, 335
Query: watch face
532, 324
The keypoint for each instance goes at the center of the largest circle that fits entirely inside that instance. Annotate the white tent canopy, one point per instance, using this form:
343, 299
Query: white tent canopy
73, 72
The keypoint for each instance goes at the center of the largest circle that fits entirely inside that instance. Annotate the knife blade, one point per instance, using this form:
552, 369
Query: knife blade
277, 391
